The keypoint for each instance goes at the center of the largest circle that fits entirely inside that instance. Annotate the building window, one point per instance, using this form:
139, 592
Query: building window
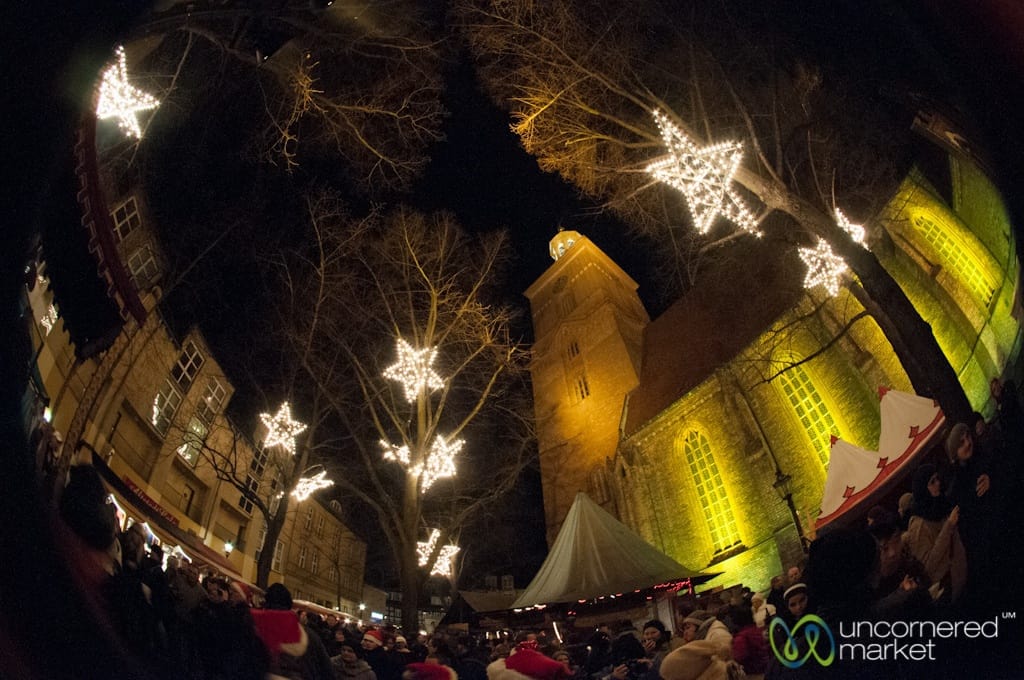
309, 518
314, 565
714, 502
320, 526
580, 386
252, 486
188, 496
332, 574
143, 267
302, 557
126, 218
189, 363
193, 441
261, 541
810, 409
957, 259
165, 405
278, 556
573, 350
212, 401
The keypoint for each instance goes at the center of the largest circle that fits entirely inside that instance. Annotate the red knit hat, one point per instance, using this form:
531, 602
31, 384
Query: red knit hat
431, 671
536, 665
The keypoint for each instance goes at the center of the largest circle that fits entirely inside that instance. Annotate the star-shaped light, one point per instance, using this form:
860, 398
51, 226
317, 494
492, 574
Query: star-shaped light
399, 454
121, 100
824, 267
440, 461
413, 370
704, 176
443, 565
281, 429
855, 231
308, 485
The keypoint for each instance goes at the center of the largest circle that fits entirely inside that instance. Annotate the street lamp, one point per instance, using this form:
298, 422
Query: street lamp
783, 486
228, 547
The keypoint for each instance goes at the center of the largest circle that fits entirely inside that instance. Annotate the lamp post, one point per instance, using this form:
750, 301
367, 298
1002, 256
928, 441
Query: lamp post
783, 486
228, 547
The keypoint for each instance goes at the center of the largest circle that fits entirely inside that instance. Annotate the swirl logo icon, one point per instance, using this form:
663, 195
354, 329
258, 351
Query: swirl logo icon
797, 649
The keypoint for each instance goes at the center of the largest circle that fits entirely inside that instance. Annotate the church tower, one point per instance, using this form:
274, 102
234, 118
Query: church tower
588, 325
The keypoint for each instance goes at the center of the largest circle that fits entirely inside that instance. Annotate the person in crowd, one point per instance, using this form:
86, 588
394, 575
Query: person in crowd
933, 537
655, 638
762, 611
903, 507
526, 663
901, 581
469, 664
796, 603
375, 654
294, 651
707, 627
794, 574
775, 594
1007, 420
348, 666
699, 660
839, 572
429, 671
749, 645
970, 489
223, 635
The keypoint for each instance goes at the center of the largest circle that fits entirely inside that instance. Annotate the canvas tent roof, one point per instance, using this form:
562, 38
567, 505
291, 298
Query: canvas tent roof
596, 555
908, 423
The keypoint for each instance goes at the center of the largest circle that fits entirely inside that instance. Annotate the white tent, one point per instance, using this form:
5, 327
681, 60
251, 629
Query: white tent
596, 555
855, 474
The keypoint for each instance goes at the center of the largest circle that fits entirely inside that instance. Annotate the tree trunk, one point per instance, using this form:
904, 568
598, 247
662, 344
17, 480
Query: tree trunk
910, 335
274, 526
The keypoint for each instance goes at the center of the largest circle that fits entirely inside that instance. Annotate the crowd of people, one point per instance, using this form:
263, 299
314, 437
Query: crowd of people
945, 550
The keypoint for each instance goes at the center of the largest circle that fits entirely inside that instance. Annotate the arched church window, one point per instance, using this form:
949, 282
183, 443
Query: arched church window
957, 258
714, 501
810, 409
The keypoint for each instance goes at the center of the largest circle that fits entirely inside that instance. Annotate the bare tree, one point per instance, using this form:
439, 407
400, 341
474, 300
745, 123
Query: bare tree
356, 84
581, 81
417, 278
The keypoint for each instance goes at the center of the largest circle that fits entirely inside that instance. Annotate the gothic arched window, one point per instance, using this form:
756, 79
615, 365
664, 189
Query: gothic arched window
810, 409
714, 502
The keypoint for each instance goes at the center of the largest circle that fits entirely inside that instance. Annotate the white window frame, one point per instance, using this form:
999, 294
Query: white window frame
165, 406
143, 267
187, 368
126, 218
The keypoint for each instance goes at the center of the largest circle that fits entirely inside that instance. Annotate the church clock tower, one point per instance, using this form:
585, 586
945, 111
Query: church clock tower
588, 325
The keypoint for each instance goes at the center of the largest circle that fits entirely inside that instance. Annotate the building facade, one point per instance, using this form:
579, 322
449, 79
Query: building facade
680, 425
146, 408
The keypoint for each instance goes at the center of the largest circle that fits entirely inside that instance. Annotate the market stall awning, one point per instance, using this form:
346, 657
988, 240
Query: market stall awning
596, 555
857, 476
163, 523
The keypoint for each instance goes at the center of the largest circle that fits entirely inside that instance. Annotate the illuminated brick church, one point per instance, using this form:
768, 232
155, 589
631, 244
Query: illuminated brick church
680, 425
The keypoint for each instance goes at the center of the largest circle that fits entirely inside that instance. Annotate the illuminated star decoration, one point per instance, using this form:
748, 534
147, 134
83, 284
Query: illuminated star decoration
399, 454
308, 485
413, 370
704, 176
121, 100
440, 460
824, 267
49, 319
855, 231
281, 429
443, 565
